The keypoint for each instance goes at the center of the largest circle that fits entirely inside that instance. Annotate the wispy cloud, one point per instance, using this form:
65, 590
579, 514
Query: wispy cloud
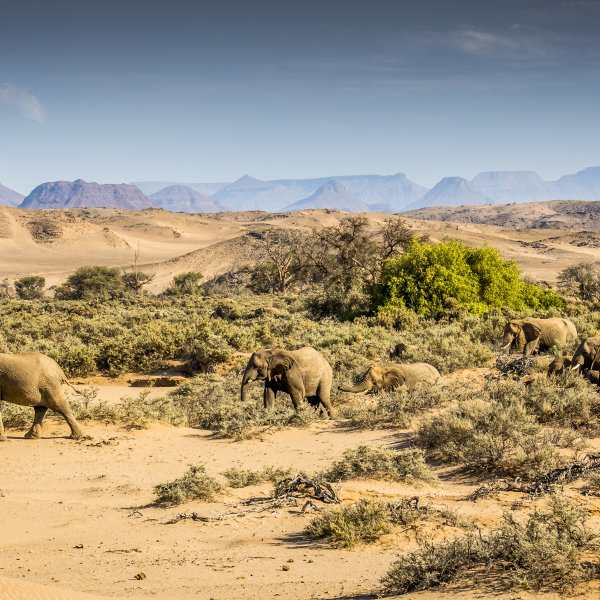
25, 102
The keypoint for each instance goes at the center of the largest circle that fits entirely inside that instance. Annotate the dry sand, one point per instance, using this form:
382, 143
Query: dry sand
78, 515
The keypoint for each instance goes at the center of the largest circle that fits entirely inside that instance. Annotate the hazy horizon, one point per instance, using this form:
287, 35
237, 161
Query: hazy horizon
194, 92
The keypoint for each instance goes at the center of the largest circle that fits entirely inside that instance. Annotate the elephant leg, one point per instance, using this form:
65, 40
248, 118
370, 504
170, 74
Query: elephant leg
3, 437
531, 347
269, 397
36, 429
62, 408
297, 396
323, 393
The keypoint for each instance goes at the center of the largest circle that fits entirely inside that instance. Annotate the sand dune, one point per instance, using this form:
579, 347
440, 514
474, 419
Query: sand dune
54, 243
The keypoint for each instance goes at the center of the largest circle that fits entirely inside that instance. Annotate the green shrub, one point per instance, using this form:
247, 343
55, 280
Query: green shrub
478, 278
544, 552
92, 283
30, 288
185, 284
195, 484
367, 462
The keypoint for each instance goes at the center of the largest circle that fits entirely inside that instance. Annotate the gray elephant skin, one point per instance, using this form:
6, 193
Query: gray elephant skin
34, 379
587, 355
537, 334
302, 373
559, 365
389, 377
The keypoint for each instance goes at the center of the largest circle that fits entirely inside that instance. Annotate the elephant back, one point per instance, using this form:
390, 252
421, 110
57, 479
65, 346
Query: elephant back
417, 372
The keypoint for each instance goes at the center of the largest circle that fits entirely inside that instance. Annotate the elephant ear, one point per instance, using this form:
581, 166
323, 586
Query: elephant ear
393, 379
531, 331
514, 327
280, 363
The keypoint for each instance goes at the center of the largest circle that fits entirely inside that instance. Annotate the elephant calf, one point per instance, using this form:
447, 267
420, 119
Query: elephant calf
559, 366
389, 377
34, 379
302, 373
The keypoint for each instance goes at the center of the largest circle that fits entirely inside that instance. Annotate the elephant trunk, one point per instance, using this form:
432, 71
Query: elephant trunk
248, 378
363, 386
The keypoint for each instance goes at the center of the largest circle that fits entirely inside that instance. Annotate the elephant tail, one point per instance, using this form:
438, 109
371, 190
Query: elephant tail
67, 382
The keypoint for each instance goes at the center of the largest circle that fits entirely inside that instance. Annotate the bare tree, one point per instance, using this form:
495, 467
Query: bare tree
135, 280
283, 261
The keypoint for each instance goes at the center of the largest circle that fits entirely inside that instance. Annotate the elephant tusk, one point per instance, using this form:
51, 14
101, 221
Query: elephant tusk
575, 367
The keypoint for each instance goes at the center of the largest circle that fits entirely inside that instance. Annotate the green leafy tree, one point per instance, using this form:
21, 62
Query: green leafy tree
426, 275
30, 288
185, 284
92, 283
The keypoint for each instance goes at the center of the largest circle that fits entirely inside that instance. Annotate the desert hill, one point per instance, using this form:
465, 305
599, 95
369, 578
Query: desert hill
9, 197
54, 243
74, 194
558, 214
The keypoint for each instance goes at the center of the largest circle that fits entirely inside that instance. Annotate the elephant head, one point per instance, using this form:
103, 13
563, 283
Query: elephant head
386, 378
522, 333
587, 355
266, 365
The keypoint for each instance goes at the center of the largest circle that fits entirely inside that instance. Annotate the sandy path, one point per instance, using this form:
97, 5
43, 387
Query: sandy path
78, 515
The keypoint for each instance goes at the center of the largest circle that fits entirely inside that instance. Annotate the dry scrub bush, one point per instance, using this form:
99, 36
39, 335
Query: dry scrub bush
568, 400
195, 484
367, 520
400, 406
239, 478
544, 551
491, 430
348, 525
212, 402
365, 462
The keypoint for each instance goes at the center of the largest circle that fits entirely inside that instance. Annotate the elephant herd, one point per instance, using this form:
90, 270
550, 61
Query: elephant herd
33, 379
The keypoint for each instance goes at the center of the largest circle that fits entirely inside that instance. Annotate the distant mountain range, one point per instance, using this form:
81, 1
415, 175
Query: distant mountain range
356, 193
75, 194
181, 198
9, 197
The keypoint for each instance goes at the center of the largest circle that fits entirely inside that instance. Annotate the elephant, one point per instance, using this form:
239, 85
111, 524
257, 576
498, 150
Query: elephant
399, 350
302, 373
389, 377
34, 379
537, 334
559, 365
587, 355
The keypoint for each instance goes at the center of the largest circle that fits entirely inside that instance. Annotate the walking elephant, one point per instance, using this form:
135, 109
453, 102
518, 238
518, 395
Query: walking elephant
587, 355
537, 334
34, 379
302, 373
389, 377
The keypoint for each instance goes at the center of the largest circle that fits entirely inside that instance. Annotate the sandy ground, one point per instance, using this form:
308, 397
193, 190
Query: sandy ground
78, 515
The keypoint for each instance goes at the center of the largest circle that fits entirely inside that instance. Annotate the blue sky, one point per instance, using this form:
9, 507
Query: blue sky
207, 91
